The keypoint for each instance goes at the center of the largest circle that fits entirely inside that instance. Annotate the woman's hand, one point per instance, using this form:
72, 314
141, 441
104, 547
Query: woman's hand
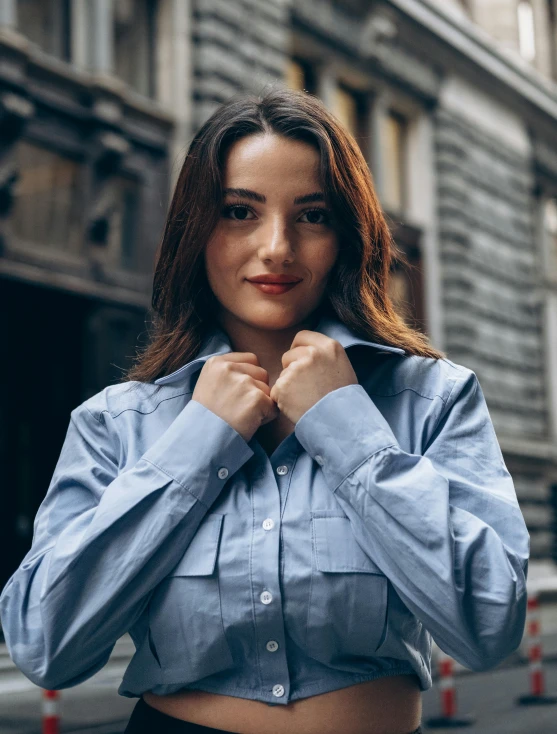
235, 387
314, 365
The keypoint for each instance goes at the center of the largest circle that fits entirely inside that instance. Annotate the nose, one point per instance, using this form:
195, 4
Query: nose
276, 239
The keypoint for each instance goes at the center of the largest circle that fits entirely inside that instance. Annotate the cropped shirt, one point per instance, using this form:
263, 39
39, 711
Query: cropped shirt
385, 520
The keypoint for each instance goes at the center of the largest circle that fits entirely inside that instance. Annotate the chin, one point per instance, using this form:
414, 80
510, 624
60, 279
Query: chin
271, 321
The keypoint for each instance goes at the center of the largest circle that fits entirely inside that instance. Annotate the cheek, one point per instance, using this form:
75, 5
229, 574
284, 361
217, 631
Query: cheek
222, 257
324, 258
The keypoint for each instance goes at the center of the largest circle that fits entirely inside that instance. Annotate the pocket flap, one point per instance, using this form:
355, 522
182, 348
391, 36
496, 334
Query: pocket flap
201, 554
336, 548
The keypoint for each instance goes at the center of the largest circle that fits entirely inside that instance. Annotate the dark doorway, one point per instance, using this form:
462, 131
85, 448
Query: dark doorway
41, 368
58, 349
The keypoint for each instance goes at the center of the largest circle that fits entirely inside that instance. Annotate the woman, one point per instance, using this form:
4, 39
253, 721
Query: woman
295, 492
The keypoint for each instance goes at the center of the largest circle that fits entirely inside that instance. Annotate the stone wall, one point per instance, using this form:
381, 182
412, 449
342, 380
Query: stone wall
238, 46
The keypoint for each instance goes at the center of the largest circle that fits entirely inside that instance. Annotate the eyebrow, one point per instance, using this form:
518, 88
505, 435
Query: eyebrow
254, 196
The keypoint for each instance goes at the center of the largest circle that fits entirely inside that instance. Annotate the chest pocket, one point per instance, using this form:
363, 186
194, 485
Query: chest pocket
185, 619
347, 610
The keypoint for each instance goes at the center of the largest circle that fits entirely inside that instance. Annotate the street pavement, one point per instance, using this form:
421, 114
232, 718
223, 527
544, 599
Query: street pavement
94, 707
91, 707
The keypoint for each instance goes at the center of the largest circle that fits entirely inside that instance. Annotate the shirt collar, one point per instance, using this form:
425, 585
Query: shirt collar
218, 343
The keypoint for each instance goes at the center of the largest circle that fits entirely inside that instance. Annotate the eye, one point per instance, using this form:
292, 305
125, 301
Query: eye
227, 210
241, 210
318, 212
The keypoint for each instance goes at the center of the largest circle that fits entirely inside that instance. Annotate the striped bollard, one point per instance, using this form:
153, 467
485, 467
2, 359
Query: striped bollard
51, 717
537, 693
448, 718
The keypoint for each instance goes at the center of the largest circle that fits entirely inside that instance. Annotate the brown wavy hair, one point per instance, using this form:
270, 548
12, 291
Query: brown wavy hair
182, 301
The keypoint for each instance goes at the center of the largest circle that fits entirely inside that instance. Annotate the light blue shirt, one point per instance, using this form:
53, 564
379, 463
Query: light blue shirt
386, 519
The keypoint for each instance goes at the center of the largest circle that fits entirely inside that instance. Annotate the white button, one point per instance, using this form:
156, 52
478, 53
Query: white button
266, 597
278, 690
282, 470
319, 459
272, 645
268, 523
223, 472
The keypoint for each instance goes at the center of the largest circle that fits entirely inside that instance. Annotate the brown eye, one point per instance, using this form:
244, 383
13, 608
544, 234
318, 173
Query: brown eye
241, 210
316, 213
227, 210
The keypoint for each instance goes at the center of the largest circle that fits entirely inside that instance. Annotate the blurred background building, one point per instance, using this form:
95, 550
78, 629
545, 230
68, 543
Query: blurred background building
454, 105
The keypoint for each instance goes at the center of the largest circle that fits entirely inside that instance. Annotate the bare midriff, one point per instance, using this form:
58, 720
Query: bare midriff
388, 705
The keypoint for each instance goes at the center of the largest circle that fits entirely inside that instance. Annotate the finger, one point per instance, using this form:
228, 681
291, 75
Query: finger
305, 338
248, 357
292, 355
273, 413
263, 386
258, 373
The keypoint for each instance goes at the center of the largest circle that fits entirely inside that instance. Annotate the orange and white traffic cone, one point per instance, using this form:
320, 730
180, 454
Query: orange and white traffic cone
448, 716
51, 717
537, 693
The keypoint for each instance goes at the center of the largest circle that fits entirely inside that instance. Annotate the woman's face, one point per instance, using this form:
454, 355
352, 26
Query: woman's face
263, 230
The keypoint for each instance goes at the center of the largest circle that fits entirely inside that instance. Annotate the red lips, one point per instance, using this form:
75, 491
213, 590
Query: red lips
274, 278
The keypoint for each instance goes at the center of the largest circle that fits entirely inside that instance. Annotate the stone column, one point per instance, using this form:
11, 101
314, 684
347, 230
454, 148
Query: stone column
102, 37
8, 13
175, 75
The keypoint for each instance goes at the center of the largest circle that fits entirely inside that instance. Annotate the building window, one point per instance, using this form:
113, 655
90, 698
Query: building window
48, 202
394, 161
550, 235
124, 229
46, 23
346, 108
300, 75
113, 234
552, 32
406, 282
549, 264
526, 31
134, 34
351, 107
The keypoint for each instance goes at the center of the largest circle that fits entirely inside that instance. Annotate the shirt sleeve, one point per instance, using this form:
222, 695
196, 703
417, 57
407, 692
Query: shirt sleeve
443, 525
103, 539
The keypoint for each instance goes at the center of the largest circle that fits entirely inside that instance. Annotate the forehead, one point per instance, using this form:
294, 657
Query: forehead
266, 157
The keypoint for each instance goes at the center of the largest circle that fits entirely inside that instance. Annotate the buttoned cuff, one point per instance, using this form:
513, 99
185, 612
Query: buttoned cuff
200, 451
342, 430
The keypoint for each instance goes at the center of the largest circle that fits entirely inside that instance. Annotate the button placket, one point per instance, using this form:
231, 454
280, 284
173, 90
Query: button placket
265, 577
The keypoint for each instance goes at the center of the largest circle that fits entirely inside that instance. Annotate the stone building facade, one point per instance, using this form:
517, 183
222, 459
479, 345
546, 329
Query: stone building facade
454, 105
